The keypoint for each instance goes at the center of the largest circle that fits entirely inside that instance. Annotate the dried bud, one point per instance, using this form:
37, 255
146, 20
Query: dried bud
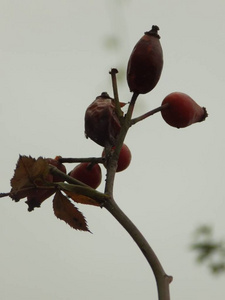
101, 122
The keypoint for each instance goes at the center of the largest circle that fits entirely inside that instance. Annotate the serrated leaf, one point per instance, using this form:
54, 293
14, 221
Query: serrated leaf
28, 173
21, 177
29, 180
66, 211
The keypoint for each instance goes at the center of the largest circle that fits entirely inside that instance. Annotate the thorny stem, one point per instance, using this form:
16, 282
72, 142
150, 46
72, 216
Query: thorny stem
162, 279
106, 200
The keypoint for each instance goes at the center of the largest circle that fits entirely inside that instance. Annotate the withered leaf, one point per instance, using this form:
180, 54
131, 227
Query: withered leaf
29, 180
82, 199
67, 212
37, 196
28, 173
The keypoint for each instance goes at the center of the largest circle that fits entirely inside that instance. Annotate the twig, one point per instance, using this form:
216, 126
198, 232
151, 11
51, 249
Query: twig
112, 162
148, 114
55, 171
4, 195
94, 160
77, 186
113, 73
162, 279
84, 191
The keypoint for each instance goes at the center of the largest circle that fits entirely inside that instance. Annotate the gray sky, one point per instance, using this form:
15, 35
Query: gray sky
53, 64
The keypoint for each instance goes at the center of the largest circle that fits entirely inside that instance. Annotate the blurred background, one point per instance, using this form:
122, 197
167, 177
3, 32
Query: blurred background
55, 58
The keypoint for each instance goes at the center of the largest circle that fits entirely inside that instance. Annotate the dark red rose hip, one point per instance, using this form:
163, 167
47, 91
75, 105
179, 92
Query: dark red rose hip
88, 174
182, 110
145, 63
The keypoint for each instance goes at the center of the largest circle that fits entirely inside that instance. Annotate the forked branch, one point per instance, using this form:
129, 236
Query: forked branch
162, 279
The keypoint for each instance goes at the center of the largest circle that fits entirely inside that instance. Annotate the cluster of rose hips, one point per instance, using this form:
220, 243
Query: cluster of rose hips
90, 173
103, 119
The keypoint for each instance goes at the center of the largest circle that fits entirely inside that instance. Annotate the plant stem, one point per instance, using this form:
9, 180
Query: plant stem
4, 195
148, 114
106, 200
162, 279
94, 160
55, 171
112, 163
78, 187
113, 73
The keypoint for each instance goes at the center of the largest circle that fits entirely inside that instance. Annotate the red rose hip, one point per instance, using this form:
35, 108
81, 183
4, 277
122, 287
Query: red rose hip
124, 158
182, 110
145, 63
88, 173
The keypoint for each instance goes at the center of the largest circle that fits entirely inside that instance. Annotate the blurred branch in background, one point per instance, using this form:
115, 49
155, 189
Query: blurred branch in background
115, 41
209, 251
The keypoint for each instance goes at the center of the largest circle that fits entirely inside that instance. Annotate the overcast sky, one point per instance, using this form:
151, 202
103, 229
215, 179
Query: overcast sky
54, 61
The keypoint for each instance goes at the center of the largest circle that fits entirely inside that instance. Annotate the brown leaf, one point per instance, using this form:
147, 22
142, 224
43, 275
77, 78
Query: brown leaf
67, 212
21, 177
30, 177
28, 173
37, 196
82, 199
